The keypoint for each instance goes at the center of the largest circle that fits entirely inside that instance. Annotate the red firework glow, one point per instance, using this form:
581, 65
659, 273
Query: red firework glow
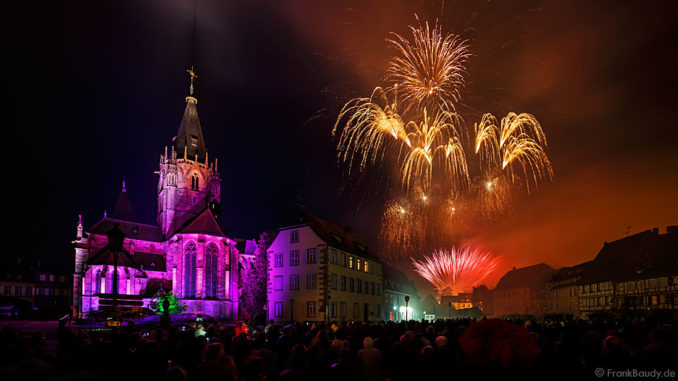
456, 270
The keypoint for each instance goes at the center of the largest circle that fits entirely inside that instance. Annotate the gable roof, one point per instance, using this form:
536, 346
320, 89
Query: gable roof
133, 230
635, 257
338, 237
203, 223
526, 277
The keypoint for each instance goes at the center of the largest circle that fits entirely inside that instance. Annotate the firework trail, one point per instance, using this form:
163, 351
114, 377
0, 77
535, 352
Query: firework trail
428, 71
456, 270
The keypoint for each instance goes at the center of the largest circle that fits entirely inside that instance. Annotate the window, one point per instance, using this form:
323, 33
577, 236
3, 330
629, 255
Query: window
278, 309
190, 270
294, 236
311, 281
311, 256
345, 259
379, 311
333, 281
342, 309
378, 289
278, 283
294, 282
195, 182
278, 261
356, 310
366, 268
333, 309
351, 284
367, 287
358, 264
17, 291
360, 286
8, 290
342, 283
43, 278
310, 309
28, 291
211, 272
372, 288
294, 257
350, 262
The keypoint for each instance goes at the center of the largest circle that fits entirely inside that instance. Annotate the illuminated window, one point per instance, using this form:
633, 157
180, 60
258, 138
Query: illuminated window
278, 309
358, 264
294, 257
366, 268
350, 262
190, 270
211, 273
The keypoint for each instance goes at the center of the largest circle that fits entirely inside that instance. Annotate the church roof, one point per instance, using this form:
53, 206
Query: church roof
189, 136
106, 256
123, 208
203, 223
133, 230
150, 261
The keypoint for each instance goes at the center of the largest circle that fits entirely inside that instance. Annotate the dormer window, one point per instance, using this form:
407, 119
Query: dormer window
294, 236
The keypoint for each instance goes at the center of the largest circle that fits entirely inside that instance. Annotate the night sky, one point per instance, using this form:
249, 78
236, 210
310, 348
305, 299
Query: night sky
98, 90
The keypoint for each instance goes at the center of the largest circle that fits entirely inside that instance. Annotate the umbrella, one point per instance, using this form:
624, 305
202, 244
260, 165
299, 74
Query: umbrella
499, 346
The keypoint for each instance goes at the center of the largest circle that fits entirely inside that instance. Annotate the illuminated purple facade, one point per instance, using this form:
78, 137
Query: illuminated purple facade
186, 251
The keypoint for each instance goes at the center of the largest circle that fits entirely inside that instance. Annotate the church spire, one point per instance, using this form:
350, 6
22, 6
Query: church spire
189, 137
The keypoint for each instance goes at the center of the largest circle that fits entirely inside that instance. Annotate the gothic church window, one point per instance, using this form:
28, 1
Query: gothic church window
190, 270
211, 272
195, 182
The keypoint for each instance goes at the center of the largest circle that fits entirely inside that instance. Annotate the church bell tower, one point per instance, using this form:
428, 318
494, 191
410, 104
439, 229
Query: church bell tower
188, 182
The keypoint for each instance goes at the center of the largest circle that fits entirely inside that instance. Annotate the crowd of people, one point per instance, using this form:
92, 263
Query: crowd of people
415, 350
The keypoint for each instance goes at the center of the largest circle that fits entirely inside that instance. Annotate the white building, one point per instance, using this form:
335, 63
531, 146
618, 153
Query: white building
320, 271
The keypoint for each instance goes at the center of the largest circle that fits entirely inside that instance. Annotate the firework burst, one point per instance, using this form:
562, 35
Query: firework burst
429, 70
456, 270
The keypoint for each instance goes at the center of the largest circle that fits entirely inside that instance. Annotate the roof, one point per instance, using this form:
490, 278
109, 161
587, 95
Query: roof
123, 208
106, 256
526, 277
567, 276
133, 230
638, 256
203, 223
336, 236
150, 261
189, 135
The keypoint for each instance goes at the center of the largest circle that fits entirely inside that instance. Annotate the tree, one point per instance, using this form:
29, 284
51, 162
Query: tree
165, 300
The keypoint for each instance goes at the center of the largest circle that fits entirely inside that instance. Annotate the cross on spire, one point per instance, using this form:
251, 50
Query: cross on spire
191, 73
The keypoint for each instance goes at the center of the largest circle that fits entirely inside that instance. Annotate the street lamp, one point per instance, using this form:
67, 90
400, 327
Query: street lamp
450, 306
407, 300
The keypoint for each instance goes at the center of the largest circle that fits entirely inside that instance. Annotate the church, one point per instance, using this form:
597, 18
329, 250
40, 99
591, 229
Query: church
121, 263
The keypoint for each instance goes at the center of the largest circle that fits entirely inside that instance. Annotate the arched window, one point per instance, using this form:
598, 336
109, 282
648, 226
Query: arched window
211, 273
190, 270
195, 182
97, 282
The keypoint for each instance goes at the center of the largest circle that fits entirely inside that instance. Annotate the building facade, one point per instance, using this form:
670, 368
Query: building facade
319, 271
185, 251
522, 291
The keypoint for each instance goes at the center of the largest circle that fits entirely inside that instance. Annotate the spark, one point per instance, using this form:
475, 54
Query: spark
428, 70
456, 270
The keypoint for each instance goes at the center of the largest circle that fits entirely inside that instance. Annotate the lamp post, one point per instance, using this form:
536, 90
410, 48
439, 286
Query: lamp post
407, 300
450, 307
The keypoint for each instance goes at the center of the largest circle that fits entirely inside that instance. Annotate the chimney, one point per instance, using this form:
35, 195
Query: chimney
655, 231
